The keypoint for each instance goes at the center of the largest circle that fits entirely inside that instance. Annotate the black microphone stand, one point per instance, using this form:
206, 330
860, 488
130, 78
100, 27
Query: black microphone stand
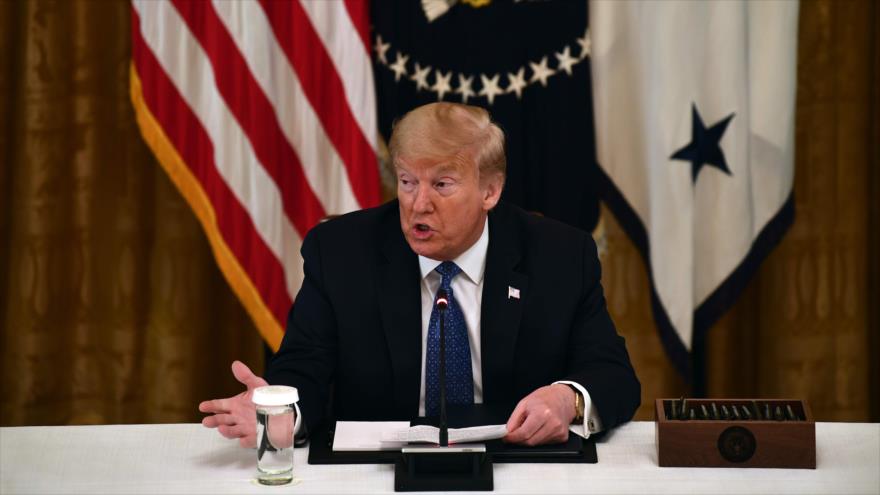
442, 304
443, 468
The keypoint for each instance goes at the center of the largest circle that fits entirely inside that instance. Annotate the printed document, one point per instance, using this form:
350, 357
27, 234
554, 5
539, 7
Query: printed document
392, 435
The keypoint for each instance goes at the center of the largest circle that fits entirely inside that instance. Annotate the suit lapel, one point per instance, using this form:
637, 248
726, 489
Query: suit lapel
399, 298
501, 311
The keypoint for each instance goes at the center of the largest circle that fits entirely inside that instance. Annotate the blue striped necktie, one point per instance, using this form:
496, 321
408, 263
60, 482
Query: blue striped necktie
459, 374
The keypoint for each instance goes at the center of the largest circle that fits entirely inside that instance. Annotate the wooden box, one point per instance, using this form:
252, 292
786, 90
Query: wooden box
719, 438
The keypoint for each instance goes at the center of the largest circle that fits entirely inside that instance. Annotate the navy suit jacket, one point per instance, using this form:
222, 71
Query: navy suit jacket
356, 322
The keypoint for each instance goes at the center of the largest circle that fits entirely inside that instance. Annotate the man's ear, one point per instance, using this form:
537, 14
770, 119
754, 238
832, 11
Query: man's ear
491, 190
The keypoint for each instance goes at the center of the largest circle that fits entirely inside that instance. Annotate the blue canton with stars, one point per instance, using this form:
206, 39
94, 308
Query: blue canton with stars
459, 374
705, 147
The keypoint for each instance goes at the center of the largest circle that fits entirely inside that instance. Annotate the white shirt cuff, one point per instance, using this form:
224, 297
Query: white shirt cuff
592, 423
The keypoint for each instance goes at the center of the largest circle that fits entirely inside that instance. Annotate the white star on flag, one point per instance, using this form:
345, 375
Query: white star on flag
585, 43
420, 76
540, 71
490, 87
464, 87
566, 61
517, 82
381, 49
441, 84
399, 66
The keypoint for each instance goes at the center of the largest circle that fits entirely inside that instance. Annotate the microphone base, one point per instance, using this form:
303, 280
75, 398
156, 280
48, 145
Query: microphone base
435, 468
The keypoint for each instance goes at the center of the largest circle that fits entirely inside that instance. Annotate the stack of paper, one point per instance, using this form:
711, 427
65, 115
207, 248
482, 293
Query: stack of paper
392, 435
431, 434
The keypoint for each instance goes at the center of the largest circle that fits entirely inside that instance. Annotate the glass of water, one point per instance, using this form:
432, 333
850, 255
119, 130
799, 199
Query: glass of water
276, 420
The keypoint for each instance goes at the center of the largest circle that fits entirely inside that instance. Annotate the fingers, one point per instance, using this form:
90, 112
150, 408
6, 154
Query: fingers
538, 418
247, 377
232, 426
235, 431
216, 406
219, 419
241, 372
234, 417
539, 429
548, 433
517, 416
530, 424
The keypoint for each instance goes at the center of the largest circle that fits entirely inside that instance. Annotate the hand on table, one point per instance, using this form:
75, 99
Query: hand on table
543, 416
235, 417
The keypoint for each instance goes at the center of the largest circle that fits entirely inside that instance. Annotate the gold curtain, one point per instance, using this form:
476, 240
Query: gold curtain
113, 311
112, 308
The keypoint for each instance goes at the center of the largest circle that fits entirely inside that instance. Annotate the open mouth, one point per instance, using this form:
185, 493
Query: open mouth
422, 231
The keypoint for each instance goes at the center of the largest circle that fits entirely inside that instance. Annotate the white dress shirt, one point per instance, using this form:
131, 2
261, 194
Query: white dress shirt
467, 289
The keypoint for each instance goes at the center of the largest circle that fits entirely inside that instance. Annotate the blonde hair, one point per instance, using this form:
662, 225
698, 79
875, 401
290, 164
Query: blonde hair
450, 130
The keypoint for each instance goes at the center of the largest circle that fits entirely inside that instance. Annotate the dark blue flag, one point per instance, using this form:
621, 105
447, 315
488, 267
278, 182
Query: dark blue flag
526, 62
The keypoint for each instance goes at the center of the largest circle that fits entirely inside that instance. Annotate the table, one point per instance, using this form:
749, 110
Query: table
188, 458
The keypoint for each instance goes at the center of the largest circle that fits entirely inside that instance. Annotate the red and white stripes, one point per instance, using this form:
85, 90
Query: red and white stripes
271, 109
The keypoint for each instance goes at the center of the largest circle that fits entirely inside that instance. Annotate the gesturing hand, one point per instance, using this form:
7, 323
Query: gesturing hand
542, 416
235, 417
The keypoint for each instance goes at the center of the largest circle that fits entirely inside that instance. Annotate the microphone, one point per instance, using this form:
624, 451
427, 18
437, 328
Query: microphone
442, 303
443, 468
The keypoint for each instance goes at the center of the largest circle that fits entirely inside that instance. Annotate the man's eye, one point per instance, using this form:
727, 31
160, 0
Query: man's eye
441, 185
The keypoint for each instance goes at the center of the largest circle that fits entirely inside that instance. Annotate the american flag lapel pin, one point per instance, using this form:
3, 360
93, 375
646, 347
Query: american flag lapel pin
512, 292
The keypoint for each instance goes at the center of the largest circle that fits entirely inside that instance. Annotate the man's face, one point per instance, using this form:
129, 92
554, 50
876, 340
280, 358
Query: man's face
443, 205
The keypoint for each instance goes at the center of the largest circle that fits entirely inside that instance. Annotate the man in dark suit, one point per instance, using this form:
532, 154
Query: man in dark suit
526, 324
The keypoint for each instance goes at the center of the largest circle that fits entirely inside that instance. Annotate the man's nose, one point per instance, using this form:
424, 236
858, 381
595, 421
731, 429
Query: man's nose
423, 202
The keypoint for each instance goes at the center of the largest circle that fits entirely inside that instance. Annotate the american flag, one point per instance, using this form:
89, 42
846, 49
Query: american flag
263, 114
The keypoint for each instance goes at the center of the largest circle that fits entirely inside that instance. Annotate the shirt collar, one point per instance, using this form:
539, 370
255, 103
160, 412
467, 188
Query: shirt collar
472, 262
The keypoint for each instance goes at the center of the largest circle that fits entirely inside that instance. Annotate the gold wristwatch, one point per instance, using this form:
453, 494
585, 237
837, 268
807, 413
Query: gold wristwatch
578, 407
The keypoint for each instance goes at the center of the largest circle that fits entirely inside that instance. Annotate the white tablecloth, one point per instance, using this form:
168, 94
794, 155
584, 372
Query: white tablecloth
187, 458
